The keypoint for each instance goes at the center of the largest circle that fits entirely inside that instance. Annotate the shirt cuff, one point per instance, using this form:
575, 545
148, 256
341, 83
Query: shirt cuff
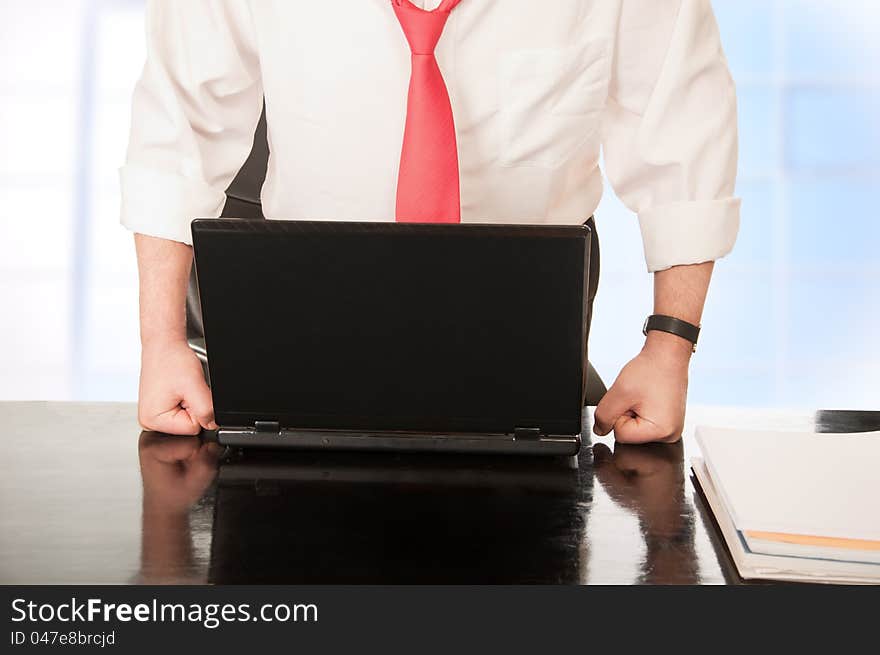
689, 232
162, 204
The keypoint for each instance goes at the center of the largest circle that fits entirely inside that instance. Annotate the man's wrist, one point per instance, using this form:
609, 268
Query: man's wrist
162, 341
669, 346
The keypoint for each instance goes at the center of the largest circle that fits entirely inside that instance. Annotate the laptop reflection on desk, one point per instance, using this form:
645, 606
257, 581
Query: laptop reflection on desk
376, 518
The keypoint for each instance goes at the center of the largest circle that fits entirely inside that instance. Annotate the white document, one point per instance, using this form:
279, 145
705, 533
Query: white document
776, 567
819, 485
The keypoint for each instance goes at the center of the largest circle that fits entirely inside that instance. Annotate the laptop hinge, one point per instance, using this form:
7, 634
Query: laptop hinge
267, 426
526, 433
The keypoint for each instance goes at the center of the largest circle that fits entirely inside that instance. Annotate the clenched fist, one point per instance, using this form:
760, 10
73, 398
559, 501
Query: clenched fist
173, 395
647, 401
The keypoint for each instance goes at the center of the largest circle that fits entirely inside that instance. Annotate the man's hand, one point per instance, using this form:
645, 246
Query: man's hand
174, 397
647, 401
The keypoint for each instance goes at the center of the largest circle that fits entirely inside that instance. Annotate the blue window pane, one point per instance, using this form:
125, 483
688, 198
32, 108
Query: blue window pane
746, 35
758, 136
833, 128
728, 341
733, 386
832, 385
832, 38
834, 223
833, 317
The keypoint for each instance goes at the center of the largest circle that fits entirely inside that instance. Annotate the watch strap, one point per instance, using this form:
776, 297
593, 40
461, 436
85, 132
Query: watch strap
672, 325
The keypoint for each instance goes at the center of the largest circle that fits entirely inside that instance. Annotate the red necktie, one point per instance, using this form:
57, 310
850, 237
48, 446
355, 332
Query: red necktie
427, 185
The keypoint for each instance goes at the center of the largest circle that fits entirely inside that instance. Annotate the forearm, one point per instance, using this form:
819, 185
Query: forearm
163, 269
680, 292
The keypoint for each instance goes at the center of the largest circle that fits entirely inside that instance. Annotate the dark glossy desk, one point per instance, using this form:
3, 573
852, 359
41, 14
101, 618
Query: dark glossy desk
86, 498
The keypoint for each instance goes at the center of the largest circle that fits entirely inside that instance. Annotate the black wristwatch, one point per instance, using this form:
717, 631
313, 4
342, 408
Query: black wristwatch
675, 326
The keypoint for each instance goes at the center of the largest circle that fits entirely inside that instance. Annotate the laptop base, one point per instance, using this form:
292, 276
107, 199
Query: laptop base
554, 445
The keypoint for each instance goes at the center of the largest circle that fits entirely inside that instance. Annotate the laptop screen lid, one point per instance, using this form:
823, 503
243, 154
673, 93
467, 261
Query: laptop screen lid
395, 327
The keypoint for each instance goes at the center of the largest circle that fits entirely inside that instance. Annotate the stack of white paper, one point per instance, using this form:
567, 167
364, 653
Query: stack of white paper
795, 506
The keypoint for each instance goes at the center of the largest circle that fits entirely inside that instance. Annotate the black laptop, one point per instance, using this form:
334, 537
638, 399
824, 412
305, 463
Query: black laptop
392, 336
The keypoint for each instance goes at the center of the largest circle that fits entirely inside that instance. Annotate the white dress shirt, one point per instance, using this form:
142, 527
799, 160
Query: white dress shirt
537, 89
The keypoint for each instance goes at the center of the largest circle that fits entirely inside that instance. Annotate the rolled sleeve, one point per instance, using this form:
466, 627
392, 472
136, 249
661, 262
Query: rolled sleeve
162, 204
689, 232
194, 112
670, 131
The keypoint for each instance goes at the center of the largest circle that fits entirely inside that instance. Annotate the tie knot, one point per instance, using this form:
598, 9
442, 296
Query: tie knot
422, 28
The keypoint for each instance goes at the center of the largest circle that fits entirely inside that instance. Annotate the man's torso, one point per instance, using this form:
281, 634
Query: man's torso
528, 82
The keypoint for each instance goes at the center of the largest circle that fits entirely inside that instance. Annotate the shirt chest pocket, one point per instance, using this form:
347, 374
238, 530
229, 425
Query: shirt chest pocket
551, 102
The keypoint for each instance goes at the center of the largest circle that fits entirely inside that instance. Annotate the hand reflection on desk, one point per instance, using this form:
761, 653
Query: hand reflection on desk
648, 480
176, 472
